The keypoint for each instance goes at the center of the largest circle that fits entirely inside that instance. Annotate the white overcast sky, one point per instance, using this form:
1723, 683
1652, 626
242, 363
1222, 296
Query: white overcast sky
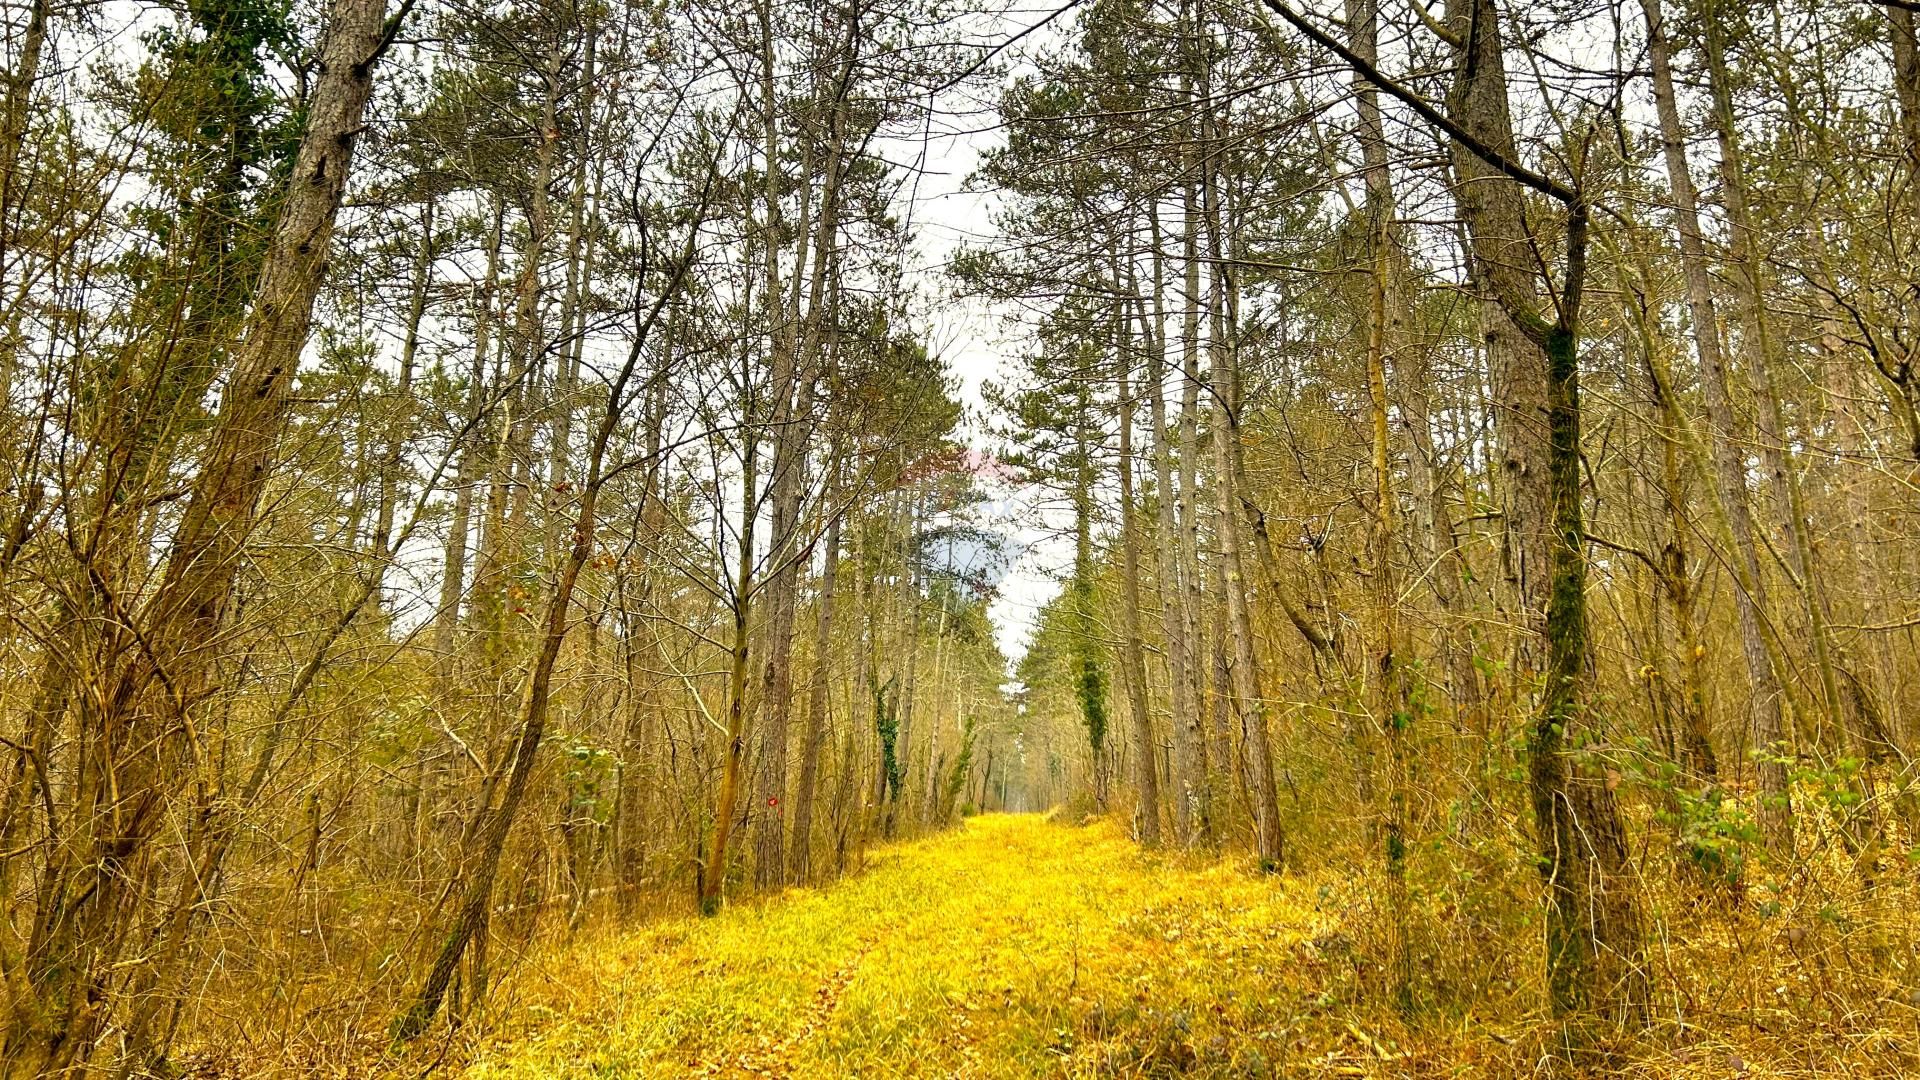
976, 345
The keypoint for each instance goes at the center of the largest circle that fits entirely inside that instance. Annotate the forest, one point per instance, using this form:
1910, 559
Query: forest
808, 538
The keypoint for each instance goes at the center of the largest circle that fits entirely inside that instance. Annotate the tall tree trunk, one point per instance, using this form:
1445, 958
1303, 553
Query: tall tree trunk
1188, 778
929, 780
712, 875
1729, 471
529, 341
1147, 782
644, 725
800, 851
1245, 687
787, 475
1593, 934
1219, 759
1386, 340
1757, 354
1866, 574
504, 537
96, 886
822, 293
586, 181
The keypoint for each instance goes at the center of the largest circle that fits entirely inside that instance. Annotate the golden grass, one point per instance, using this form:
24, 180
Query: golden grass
1011, 947
1018, 947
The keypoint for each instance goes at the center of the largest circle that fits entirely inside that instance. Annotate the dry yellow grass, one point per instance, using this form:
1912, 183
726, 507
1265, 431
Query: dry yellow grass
1011, 947
1017, 947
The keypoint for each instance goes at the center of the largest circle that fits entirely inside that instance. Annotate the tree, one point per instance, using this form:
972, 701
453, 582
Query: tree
1594, 937
162, 665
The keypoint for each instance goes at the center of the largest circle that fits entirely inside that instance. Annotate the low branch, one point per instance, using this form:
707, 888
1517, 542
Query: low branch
1539, 182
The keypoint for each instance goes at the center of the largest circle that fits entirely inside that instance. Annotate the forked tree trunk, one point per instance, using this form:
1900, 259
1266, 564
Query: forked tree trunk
1594, 938
1593, 933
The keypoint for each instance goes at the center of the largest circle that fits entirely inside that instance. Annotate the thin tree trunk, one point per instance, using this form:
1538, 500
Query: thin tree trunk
908, 705
1757, 354
489, 837
1146, 772
1386, 340
787, 474
1089, 674
712, 875
1675, 570
1906, 86
14, 115
1218, 757
460, 527
929, 781
1188, 777
1248, 694
800, 852
400, 409
1729, 471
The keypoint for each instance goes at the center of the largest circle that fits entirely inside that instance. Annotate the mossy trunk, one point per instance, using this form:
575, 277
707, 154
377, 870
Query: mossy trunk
1593, 917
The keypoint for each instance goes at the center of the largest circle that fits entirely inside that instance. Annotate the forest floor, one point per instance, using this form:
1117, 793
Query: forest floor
1011, 946
1020, 946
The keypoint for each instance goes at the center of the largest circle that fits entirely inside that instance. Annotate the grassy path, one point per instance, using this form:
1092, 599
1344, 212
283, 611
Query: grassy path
1008, 947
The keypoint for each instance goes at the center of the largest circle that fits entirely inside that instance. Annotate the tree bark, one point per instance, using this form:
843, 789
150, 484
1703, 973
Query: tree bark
1593, 934
1218, 759
93, 890
1906, 87
1146, 771
800, 851
1757, 353
1188, 778
1247, 692
1386, 341
1729, 471
712, 874
1674, 568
